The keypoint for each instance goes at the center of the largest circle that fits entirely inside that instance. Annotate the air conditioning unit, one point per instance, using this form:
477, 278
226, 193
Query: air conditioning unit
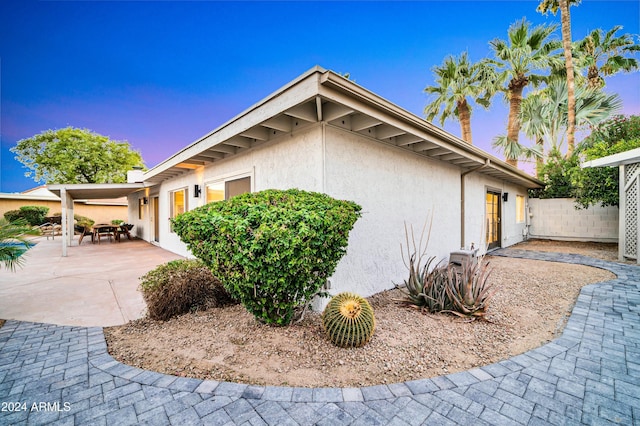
460, 257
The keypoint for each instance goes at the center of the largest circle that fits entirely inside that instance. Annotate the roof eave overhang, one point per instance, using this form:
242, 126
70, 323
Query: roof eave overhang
303, 99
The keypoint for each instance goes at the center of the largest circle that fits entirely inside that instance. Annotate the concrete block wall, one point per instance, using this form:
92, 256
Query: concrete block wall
558, 219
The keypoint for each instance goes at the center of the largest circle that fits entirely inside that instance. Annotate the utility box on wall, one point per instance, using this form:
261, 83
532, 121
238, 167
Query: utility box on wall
460, 257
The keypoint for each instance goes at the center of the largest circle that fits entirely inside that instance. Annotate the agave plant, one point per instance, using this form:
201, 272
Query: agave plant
468, 289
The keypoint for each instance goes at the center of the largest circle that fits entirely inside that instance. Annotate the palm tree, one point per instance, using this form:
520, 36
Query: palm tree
13, 242
527, 51
552, 6
514, 151
544, 114
458, 82
605, 54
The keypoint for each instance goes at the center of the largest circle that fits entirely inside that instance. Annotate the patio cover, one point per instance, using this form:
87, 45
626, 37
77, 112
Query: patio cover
70, 192
628, 163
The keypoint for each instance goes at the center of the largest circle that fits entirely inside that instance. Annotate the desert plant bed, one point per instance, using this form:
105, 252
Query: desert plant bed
532, 302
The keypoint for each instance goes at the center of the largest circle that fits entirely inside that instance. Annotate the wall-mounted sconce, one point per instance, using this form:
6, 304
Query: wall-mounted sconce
505, 197
197, 191
145, 200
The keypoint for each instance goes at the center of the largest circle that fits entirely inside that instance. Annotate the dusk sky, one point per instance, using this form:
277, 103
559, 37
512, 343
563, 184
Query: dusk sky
162, 74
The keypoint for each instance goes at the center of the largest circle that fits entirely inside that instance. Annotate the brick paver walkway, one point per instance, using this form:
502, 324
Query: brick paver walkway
590, 375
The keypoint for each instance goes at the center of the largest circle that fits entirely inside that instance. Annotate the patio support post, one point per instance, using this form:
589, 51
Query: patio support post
66, 220
622, 212
64, 202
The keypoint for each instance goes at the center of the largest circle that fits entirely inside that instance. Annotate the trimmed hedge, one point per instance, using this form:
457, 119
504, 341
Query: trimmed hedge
273, 250
33, 215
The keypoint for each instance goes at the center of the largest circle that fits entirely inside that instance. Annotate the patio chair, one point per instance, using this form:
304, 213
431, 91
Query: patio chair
124, 229
82, 231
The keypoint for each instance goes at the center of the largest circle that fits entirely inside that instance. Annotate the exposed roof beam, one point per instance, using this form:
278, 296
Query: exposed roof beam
450, 157
239, 141
361, 122
407, 139
209, 156
438, 152
384, 131
332, 111
306, 111
281, 123
259, 133
424, 146
223, 148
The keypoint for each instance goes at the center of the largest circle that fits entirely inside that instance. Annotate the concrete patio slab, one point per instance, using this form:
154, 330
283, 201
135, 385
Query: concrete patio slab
95, 285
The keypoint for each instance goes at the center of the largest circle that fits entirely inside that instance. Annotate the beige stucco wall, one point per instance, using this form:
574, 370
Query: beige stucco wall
393, 187
98, 212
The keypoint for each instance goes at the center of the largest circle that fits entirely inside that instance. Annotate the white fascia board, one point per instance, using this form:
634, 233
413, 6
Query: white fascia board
297, 91
626, 157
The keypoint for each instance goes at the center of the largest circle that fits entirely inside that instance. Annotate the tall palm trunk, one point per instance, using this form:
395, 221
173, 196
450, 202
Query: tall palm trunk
540, 160
464, 115
516, 86
568, 59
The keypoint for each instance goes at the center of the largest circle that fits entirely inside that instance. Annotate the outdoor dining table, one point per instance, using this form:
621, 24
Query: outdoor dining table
110, 230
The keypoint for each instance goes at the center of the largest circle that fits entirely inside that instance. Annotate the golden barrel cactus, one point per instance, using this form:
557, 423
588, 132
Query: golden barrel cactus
348, 320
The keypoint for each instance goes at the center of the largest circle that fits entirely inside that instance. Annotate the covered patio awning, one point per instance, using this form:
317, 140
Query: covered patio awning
628, 163
70, 192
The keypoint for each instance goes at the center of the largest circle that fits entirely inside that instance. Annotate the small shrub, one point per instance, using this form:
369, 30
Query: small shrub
273, 250
348, 320
117, 222
33, 215
180, 286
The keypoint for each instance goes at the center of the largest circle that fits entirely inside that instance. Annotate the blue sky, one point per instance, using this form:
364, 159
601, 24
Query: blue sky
162, 74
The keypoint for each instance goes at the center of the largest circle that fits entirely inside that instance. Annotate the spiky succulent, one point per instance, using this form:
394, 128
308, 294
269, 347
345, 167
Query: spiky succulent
348, 320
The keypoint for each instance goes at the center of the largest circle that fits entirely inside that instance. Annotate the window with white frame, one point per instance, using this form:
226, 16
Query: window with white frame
519, 208
178, 202
225, 189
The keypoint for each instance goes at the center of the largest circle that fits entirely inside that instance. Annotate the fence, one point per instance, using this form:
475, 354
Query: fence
558, 219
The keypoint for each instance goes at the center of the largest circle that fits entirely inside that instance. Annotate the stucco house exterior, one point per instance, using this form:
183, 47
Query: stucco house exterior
322, 132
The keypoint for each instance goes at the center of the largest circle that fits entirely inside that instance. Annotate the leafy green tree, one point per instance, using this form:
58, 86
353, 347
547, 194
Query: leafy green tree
72, 155
601, 184
564, 178
606, 54
552, 6
458, 81
557, 172
526, 52
14, 242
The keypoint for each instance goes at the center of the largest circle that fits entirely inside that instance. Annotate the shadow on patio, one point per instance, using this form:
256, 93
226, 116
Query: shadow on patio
95, 285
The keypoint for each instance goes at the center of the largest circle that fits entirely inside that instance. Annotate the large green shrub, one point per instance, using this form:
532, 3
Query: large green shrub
180, 286
33, 215
273, 250
79, 219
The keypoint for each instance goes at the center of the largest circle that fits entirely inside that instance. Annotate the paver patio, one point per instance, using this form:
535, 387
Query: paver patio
590, 375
